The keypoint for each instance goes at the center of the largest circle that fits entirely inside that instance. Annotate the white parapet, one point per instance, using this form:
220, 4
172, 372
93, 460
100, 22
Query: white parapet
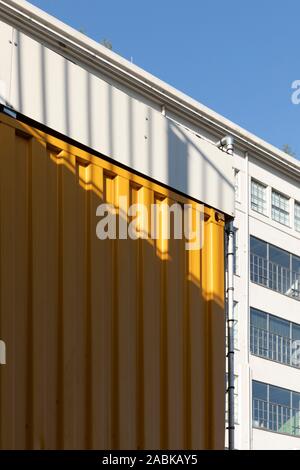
75, 99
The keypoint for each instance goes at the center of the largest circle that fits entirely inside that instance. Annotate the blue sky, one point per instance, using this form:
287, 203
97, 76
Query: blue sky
237, 57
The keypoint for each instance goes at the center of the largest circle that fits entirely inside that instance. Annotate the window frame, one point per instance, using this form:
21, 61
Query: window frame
263, 200
287, 280
281, 210
269, 412
269, 337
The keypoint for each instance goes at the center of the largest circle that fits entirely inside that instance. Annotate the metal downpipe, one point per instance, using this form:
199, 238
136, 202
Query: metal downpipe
227, 145
230, 332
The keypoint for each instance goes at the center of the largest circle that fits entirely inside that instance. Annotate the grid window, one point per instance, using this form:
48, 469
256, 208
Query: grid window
274, 338
275, 409
280, 208
275, 268
258, 197
297, 216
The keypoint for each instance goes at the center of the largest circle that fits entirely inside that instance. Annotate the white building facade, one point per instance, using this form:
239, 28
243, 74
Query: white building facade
267, 207
267, 308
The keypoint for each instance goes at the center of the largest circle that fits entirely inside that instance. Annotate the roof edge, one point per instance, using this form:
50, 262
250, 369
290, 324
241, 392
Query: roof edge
61, 37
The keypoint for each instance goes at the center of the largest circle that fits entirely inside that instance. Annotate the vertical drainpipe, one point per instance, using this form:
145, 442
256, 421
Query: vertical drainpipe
230, 325
227, 144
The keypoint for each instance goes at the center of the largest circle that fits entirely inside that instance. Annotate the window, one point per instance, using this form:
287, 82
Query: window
258, 247
275, 268
280, 208
258, 197
279, 269
274, 338
236, 403
259, 333
237, 184
297, 216
295, 287
295, 332
275, 409
258, 261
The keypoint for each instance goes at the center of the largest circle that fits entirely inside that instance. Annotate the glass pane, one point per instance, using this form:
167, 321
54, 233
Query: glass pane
278, 256
295, 422
258, 197
258, 333
258, 261
295, 280
279, 327
296, 400
295, 331
279, 270
258, 319
295, 264
259, 390
280, 396
280, 208
258, 247
295, 346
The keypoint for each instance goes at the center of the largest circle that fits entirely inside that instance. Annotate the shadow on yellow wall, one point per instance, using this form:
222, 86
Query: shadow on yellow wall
111, 344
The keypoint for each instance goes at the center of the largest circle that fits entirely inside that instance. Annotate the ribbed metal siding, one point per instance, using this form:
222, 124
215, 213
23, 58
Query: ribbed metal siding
110, 344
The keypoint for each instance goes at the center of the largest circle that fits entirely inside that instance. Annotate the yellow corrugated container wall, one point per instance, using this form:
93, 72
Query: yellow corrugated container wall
109, 343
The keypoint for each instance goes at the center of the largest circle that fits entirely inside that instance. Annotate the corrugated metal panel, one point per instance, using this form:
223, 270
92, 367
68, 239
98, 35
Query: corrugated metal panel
113, 343
79, 103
